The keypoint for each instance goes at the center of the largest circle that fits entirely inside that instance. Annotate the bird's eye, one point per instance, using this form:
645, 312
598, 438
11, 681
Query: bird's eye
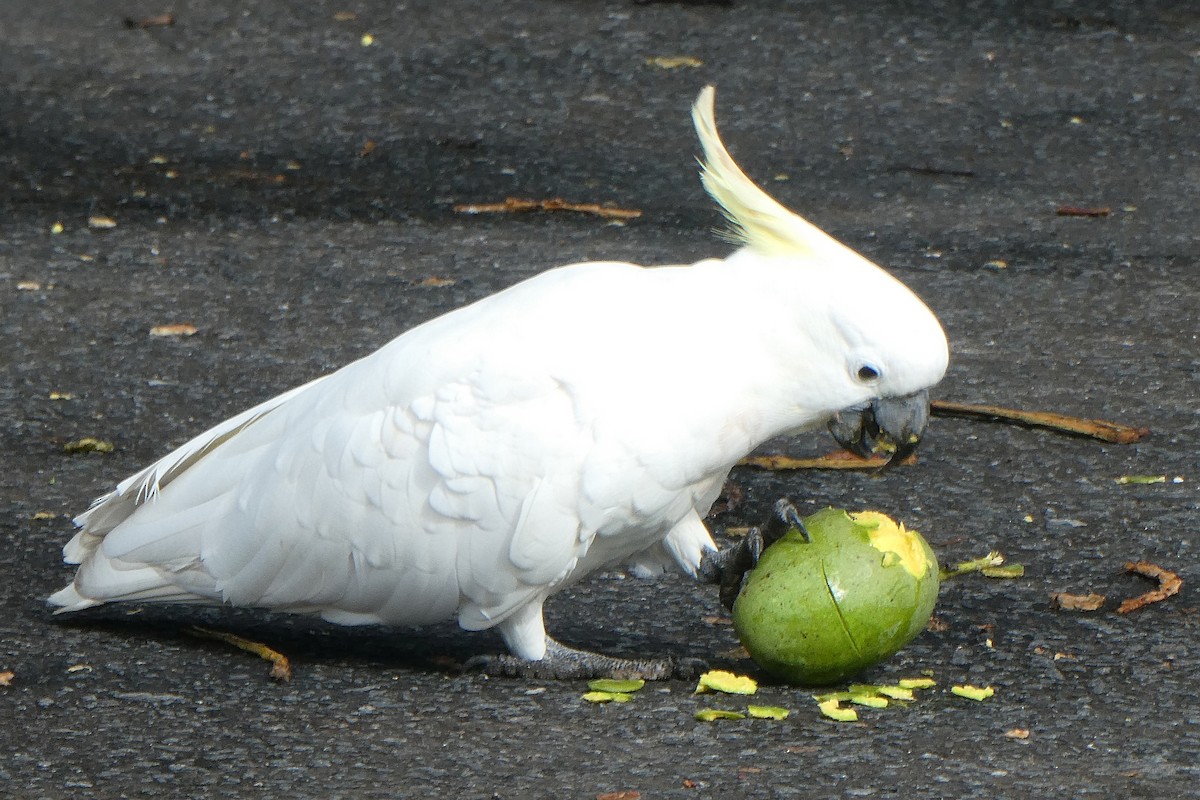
867, 373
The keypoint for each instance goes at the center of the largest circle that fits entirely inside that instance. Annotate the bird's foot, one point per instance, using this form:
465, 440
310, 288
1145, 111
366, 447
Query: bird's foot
728, 567
566, 663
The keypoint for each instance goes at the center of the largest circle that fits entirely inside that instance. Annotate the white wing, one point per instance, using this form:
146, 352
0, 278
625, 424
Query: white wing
457, 468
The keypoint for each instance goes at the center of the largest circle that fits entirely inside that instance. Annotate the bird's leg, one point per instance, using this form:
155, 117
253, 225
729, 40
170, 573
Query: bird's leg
565, 663
728, 567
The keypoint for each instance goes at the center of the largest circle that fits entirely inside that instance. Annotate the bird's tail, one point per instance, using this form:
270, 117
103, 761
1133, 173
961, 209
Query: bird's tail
102, 580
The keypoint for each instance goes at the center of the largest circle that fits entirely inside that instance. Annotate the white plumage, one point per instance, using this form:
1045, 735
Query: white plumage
482, 461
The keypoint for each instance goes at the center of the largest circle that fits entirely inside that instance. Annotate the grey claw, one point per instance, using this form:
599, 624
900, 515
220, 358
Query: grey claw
567, 663
728, 567
785, 518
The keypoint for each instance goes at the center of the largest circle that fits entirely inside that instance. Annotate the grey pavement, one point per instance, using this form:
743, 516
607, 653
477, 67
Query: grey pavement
231, 149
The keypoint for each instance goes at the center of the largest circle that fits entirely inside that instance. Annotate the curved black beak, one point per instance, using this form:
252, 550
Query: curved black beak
889, 423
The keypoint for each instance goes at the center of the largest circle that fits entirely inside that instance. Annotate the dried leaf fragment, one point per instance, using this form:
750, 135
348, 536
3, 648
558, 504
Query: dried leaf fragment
28, 286
179, 329
1017, 733
1168, 584
517, 204
6, 677
41, 516
88, 444
101, 223
1076, 602
627, 794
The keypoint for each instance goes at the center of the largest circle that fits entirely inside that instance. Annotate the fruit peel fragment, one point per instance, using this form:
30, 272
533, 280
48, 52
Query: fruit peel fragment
977, 693
616, 685
714, 714
607, 697
767, 712
834, 710
720, 680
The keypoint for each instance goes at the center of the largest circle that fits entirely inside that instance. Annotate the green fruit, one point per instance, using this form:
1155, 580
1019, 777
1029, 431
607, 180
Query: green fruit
817, 610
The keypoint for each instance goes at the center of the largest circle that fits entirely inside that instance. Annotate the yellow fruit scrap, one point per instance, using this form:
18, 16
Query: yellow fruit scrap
895, 692
615, 685
898, 545
714, 714
612, 690
1141, 479
607, 697
990, 566
869, 700
674, 62
88, 444
722, 681
870, 695
973, 692
1007, 571
767, 712
833, 709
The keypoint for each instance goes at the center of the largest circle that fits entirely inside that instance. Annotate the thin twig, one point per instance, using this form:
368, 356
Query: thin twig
281, 669
1093, 428
839, 459
516, 205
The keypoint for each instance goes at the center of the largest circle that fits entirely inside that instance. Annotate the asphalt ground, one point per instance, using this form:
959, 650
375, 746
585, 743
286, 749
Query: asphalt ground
289, 190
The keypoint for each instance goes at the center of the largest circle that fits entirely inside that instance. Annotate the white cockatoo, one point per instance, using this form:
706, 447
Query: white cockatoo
491, 457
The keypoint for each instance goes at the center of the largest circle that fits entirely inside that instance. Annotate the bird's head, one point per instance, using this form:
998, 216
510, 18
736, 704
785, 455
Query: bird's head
877, 347
891, 365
